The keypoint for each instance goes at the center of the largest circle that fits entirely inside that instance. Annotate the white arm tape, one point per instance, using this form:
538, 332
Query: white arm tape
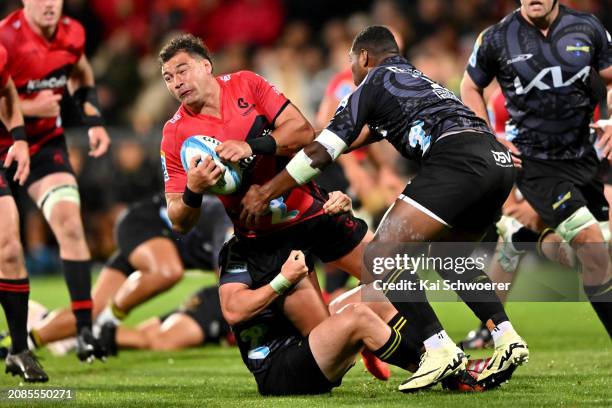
332, 143
602, 123
300, 167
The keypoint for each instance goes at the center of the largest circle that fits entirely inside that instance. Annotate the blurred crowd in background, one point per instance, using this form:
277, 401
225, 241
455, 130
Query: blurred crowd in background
297, 45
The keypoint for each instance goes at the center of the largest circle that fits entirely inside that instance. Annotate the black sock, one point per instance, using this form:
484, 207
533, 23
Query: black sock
525, 239
484, 303
14, 294
600, 297
413, 306
78, 278
398, 350
411, 345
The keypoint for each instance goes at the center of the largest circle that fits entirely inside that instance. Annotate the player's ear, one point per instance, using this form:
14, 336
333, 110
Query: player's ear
364, 58
207, 66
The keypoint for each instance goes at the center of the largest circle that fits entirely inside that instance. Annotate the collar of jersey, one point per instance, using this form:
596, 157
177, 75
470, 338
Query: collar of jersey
396, 59
39, 38
552, 27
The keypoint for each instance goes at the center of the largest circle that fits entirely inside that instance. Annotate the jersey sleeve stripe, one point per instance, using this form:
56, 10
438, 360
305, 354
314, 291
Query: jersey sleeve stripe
280, 110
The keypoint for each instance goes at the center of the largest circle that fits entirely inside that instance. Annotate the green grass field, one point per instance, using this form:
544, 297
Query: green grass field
571, 365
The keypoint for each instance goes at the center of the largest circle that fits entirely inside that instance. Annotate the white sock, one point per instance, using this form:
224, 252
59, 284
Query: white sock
437, 340
500, 329
31, 345
107, 315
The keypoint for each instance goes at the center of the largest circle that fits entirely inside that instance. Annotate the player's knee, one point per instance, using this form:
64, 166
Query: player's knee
11, 253
593, 255
356, 316
70, 228
364, 314
170, 274
161, 343
577, 228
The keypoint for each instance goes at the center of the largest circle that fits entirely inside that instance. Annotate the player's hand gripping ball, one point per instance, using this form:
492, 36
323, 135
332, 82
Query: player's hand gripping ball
205, 146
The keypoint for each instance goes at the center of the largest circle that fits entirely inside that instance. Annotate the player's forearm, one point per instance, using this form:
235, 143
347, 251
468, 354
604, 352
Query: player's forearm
9, 107
29, 108
305, 165
182, 216
609, 101
82, 75
247, 303
279, 185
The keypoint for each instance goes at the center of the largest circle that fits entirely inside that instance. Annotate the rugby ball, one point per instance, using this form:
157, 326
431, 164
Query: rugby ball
205, 146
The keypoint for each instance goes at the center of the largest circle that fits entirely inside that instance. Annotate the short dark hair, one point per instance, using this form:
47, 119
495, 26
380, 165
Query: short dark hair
184, 43
375, 39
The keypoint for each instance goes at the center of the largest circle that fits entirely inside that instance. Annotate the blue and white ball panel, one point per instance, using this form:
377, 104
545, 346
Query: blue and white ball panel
205, 146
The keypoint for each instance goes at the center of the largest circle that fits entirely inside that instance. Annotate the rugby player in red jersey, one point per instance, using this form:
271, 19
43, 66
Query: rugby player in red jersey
46, 57
14, 283
249, 116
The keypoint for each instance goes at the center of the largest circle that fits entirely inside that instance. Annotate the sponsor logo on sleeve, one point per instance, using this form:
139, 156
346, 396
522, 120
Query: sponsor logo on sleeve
164, 167
519, 58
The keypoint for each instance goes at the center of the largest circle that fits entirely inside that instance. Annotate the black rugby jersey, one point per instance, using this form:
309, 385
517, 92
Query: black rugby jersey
546, 80
263, 336
400, 104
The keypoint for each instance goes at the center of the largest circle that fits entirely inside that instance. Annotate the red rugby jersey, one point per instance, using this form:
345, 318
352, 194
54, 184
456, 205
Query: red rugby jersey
498, 114
36, 64
249, 106
4, 75
340, 86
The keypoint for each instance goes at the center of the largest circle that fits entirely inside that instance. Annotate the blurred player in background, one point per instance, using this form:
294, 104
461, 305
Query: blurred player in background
151, 258
46, 57
14, 282
197, 322
543, 55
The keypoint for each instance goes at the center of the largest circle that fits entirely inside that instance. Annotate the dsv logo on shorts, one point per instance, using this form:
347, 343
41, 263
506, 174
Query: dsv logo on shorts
502, 159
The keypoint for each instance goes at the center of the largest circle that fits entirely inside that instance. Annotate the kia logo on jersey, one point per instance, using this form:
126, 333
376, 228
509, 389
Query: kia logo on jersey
554, 73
